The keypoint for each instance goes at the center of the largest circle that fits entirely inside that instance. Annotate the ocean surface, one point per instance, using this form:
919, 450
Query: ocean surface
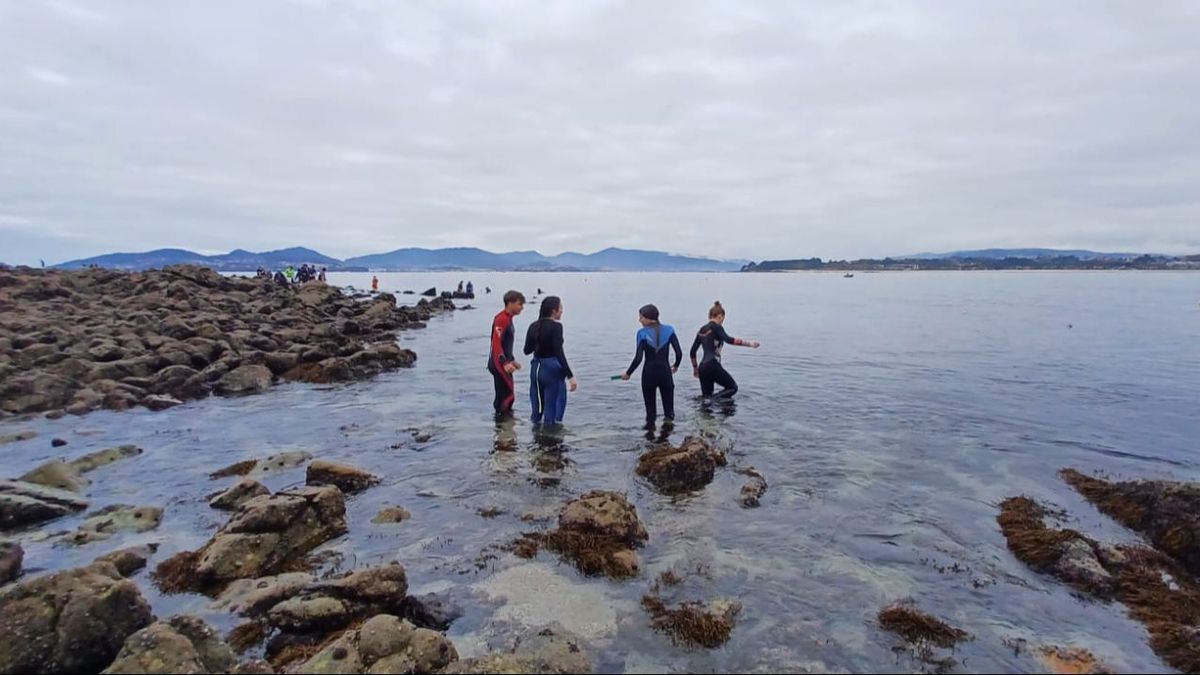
890, 414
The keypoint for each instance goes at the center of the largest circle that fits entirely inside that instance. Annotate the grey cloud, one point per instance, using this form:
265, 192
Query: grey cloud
738, 129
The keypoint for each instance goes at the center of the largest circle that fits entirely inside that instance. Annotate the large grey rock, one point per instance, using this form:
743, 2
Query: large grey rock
347, 478
384, 644
250, 597
548, 650
332, 604
71, 621
233, 498
604, 513
131, 559
57, 474
249, 379
183, 644
23, 504
113, 519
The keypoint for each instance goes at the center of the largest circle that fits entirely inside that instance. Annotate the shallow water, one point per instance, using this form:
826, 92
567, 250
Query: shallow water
890, 413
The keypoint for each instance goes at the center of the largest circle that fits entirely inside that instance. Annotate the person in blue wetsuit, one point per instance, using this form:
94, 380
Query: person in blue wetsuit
550, 376
711, 338
652, 342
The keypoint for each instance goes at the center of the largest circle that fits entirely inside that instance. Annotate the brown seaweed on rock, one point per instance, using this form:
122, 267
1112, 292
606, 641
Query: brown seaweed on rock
1064, 554
674, 470
1165, 512
915, 626
597, 533
693, 623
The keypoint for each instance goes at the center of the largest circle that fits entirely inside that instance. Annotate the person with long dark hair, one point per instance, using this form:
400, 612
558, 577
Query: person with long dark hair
712, 337
550, 376
652, 342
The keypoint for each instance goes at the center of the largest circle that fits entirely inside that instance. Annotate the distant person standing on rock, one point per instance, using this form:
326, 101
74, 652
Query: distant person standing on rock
374, 283
550, 376
470, 288
321, 276
712, 337
657, 375
501, 362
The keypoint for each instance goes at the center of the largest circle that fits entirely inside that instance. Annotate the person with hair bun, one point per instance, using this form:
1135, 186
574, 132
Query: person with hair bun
712, 337
550, 375
652, 342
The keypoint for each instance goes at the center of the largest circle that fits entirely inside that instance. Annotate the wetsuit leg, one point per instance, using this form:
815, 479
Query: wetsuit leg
505, 393
561, 408
667, 387
535, 391
728, 384
649, 393
706, 380
552, 389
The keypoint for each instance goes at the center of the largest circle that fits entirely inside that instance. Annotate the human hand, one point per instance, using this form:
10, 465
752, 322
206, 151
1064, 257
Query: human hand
696, 373
511, 366
754, 344
675, 369
572, 385
624, 376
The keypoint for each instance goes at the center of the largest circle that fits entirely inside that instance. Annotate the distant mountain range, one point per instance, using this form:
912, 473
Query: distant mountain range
418, 259
1032, 253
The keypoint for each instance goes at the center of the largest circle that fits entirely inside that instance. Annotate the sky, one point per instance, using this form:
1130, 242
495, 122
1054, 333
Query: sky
733, 129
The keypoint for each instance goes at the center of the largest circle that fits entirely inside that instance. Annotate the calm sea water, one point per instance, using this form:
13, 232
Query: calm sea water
890, 414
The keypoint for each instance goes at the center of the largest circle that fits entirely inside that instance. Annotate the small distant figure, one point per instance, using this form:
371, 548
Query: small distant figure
487, 289
321, 276
290, 273
262, 274
374, 283
280, 278
539, 291
470, 288
43, 262
460, 286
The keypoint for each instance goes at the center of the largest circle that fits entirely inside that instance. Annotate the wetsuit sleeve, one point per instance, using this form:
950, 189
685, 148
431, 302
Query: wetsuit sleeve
509, 337
695, 348
677, 348
558, 350
721, 336
637, 360
531, 338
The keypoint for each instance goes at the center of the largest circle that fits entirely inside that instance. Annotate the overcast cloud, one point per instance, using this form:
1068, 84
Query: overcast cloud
732, 129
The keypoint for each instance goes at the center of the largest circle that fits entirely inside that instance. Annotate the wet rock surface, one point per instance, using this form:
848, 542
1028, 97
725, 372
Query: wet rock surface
754, 489
69, 474
11, 557
597, 533
384, 644
263, 536
1166, 513
391, 514
113, 519
129, 560
548, 650
233, 498
348, 479
922, 634
266, 466
674, 470
72, 621
92, 338
182, 644
23, 504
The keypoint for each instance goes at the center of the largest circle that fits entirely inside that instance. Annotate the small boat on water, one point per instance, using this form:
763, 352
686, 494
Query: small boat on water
847, 275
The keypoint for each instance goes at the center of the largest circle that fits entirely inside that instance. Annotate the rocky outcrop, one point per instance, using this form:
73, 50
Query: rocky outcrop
263, 536
11, 557
347, 478
674, 470
253, 597
1167, 513
384, 644
548, 650
1154, 587
182, 644
75, 341
68, 475
233, 498
693, 623
23, 504
129, 560
597, 533
328, 605
113, 519
72, 621
270, 465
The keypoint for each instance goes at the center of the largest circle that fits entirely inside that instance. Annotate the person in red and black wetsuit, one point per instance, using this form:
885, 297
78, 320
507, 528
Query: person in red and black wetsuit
712, 337
501, 362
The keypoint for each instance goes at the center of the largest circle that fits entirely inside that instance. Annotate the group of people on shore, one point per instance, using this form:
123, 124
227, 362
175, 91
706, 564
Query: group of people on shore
291, 275
550, 376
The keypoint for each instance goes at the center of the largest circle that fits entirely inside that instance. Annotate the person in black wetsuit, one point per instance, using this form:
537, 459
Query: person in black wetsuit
549, 374
501, 362
712, 337
652, 342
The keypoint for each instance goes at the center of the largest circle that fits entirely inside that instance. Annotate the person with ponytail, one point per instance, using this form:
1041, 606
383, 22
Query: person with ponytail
652, 342
549, 375
712, 337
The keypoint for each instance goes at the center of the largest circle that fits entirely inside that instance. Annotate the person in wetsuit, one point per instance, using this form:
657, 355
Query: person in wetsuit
501, 362
652, 342
550, 376
712, 337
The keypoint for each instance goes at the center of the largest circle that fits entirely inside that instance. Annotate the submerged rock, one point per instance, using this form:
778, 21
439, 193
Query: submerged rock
129, 560
694, 623
269, 465
71, 621
5, 439
182, 644
347, 478
11, 557
754, 488
1065, 554
113, 519
233, 498
548, 650
265, 534
23, 504
1167, 513
95, 460
596, 532
391, 514
68, 475
1071, 661
431, 611
917, 627
674, 470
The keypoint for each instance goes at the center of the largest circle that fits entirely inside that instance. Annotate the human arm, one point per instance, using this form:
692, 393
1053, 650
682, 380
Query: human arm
678, 352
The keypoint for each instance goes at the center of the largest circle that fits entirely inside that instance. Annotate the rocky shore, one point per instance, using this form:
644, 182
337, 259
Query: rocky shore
76, 341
